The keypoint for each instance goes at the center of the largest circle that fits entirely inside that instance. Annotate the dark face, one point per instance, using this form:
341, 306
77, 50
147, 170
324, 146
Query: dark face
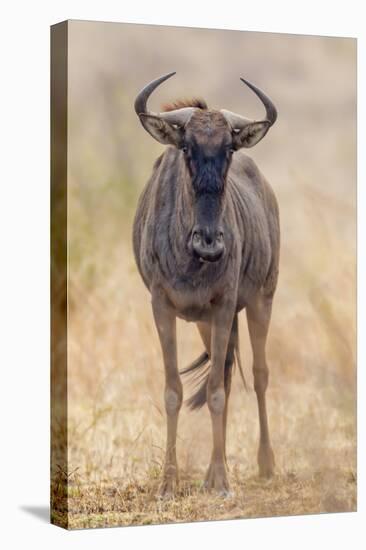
207, 149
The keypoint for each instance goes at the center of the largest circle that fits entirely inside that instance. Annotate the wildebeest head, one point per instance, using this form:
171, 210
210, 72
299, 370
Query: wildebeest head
207, 139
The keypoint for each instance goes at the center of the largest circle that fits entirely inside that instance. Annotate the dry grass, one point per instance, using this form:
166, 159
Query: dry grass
107, 504
116, 424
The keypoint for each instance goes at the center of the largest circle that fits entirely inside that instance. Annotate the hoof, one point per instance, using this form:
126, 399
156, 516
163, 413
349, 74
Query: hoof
216, 480
168, 487
266, 462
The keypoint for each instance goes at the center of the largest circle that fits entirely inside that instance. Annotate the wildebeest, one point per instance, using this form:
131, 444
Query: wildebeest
206, 240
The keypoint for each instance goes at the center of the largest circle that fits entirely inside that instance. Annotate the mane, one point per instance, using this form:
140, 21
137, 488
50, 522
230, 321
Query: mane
181, 103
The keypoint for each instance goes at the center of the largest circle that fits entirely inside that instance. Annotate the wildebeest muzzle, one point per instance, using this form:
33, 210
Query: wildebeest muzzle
208, 244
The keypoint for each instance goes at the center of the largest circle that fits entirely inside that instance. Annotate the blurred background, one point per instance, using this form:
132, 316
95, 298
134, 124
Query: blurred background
116, 419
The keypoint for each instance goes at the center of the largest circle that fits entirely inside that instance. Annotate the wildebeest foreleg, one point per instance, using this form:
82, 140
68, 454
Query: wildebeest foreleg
165, 321
216, 477
205, 332
259, 315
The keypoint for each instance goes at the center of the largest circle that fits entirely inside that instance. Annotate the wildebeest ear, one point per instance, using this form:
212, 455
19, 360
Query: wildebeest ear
162, 131
251, 134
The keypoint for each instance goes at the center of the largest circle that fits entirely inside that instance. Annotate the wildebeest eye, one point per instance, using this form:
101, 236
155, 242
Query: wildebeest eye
184, 149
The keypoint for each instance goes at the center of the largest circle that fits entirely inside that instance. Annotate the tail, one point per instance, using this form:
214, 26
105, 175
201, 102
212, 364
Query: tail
199, 370
198, 376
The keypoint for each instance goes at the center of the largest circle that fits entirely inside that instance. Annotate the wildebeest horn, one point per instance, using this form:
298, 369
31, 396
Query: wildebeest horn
178, 116
237, 121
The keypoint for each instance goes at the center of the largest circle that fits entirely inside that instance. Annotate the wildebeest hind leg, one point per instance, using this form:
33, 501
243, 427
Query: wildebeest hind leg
259, 315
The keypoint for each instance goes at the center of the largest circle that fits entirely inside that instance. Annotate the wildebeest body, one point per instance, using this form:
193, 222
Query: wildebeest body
163, 224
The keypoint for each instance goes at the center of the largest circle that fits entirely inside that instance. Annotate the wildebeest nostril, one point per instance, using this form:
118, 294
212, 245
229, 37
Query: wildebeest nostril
207, 238
196, 237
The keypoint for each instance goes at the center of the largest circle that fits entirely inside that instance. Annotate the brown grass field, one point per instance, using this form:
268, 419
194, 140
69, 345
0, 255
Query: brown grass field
116, 419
